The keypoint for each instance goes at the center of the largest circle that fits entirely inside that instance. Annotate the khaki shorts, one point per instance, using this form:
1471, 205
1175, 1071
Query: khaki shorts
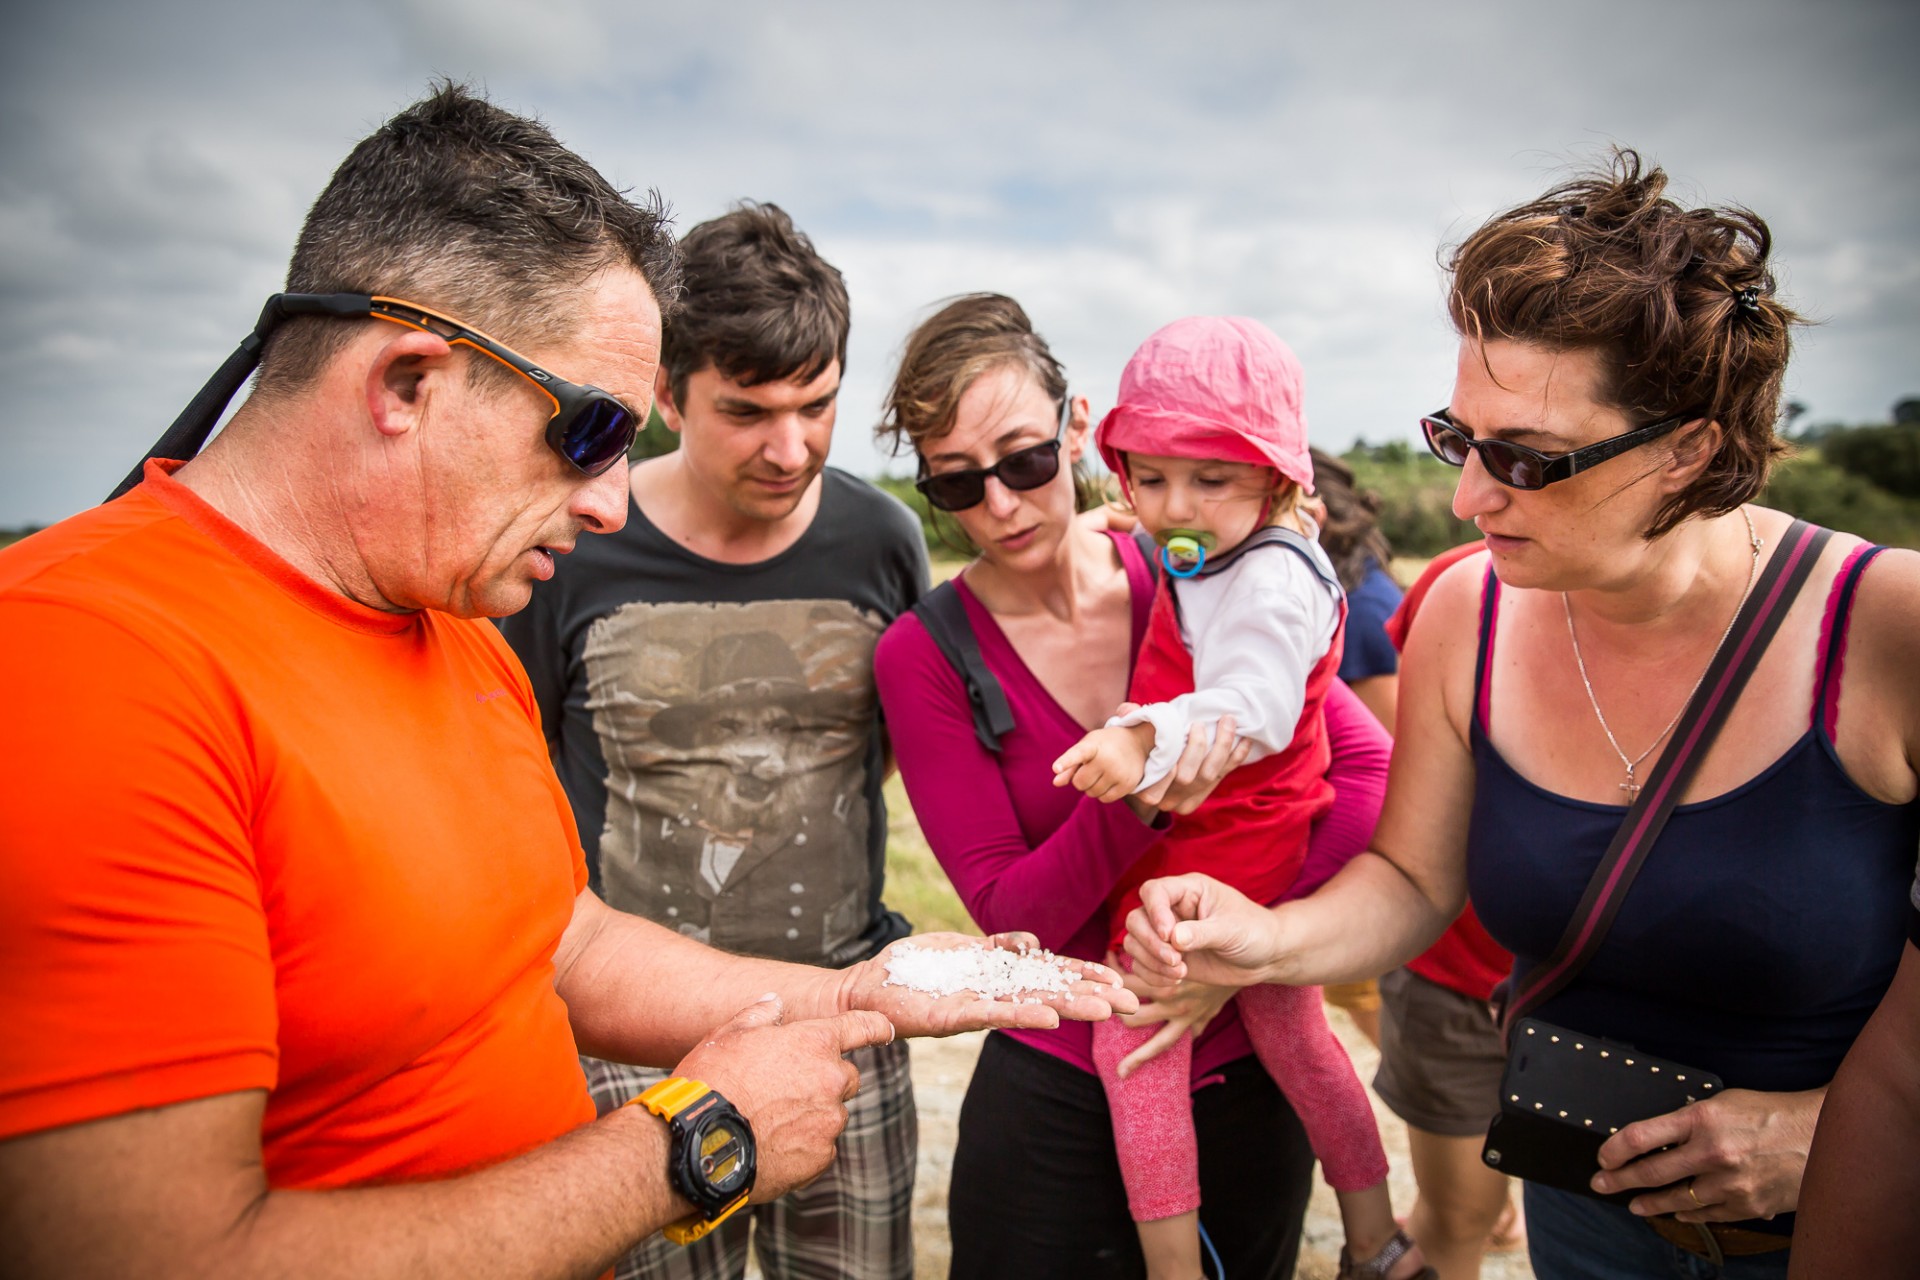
1440, 1057
1354, 997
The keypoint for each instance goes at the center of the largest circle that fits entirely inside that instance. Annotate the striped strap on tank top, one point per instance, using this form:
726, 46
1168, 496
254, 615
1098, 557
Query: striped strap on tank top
1833, 637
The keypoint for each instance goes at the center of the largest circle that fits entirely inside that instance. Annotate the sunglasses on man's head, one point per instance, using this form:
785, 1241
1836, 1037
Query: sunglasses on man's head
1519, 467
1027, 468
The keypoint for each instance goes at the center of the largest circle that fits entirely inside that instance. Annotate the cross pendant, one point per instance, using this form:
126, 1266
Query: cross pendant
1631, 787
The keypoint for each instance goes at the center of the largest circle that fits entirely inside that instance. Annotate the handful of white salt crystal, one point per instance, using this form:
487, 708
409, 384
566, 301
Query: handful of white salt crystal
993, 972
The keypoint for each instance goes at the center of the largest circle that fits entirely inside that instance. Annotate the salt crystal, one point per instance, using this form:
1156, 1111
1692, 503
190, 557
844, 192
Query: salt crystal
993, 972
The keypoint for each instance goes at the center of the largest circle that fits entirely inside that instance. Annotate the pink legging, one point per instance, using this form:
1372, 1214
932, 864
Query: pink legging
1153, 1108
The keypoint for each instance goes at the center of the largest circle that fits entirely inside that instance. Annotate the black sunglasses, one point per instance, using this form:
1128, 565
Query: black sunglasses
1519, 467
589, 428
1027, 468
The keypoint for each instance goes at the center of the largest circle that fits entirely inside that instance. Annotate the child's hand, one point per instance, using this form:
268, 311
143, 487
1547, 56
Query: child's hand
1107, 764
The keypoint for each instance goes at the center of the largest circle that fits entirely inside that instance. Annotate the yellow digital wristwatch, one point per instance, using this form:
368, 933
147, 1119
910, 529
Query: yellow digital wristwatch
711, 1161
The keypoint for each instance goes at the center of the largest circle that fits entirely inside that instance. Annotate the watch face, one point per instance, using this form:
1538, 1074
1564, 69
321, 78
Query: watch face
721, 1155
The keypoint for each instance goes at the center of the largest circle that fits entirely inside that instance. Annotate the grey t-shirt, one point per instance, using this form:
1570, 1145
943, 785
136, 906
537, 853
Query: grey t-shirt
716, 726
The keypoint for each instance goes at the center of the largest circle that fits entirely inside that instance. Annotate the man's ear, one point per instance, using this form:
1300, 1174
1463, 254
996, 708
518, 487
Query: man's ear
401, 377
663, 399
1694, 446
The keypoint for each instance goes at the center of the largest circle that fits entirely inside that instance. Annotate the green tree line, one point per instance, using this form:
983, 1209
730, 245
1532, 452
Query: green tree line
1861, 480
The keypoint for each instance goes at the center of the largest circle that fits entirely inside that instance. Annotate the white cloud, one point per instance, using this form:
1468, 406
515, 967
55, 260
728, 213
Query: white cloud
1113, 165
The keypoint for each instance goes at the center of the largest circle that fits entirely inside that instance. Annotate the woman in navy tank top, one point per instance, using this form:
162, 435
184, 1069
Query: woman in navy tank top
1613, 412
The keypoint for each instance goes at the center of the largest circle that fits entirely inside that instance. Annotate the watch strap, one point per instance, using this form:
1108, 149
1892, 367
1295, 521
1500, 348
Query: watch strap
689, 1229
671, 1099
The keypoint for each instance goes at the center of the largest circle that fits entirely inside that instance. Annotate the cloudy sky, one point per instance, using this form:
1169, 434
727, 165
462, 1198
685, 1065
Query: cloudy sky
1113, 165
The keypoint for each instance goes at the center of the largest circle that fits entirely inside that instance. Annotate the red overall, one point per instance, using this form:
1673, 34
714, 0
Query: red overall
1251, 833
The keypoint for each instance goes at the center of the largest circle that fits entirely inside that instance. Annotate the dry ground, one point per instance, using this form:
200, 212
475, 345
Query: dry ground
941, 1069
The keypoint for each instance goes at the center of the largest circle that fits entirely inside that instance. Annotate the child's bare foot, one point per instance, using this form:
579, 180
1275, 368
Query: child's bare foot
1398, 1259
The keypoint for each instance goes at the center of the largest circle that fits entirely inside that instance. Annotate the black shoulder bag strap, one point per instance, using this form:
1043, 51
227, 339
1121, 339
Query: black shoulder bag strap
1759, 619
944, 615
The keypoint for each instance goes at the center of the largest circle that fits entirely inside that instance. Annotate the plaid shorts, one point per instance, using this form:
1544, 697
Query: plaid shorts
854, 1220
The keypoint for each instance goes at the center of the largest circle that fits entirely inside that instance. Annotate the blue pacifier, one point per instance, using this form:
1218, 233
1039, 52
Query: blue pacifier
1183, 551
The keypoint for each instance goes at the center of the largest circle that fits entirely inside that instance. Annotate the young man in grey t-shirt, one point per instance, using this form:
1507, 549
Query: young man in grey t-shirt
705, 677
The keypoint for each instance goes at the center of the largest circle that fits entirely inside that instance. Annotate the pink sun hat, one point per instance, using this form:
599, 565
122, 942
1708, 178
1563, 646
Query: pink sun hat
1212, 387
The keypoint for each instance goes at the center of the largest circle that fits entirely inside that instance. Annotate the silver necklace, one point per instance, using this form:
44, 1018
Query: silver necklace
1632, 786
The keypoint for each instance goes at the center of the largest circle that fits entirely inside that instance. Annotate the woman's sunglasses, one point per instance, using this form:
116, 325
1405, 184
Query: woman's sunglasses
1027, 468
1519, 467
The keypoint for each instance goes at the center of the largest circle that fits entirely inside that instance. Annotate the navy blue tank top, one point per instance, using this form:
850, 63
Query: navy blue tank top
1765, 924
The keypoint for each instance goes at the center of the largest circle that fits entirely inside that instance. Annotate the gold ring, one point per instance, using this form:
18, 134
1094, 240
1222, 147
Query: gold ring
1691, 1196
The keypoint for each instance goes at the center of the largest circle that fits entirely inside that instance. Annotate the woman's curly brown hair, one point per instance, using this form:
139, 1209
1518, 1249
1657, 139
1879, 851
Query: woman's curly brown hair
1678, 303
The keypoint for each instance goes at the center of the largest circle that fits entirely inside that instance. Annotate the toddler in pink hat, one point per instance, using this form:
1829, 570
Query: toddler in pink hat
1210, 444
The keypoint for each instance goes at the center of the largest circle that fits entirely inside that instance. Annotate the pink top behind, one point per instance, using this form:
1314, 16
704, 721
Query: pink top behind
1024, 854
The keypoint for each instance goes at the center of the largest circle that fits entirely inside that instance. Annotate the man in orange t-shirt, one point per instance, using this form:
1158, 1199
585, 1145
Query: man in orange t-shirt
297, 941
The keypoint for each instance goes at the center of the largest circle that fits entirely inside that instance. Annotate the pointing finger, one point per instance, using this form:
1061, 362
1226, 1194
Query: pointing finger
858, 1028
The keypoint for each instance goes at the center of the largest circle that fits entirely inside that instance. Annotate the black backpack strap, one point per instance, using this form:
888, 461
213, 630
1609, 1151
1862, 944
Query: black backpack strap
944, 615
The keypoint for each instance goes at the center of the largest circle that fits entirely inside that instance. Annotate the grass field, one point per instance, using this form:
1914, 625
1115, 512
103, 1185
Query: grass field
916, 886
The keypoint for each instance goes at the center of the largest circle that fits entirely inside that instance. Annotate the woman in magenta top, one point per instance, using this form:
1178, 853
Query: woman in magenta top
1059, 608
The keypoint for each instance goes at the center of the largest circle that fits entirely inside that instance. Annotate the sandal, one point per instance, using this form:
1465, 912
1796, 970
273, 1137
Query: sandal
1377, 1267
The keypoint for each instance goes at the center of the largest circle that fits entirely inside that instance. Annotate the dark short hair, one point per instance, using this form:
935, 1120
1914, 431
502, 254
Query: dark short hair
463, 207
1677, 303
759, 304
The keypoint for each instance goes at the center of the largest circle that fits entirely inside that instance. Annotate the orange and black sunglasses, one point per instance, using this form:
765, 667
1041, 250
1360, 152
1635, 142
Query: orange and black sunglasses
590, 428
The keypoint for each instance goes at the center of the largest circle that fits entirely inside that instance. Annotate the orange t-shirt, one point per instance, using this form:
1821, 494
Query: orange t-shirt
256, 836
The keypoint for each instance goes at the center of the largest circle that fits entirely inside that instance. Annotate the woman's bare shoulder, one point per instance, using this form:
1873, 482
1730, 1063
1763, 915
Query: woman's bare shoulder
1450, 607
1886, 612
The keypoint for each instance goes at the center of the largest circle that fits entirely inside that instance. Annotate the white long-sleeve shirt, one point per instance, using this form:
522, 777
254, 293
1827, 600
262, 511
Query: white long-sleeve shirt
1255, 630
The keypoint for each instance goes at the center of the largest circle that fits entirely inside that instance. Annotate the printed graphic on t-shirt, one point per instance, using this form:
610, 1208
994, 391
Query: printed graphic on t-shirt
736, 737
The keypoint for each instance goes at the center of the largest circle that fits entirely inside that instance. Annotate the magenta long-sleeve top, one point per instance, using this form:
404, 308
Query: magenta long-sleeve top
1024, 854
